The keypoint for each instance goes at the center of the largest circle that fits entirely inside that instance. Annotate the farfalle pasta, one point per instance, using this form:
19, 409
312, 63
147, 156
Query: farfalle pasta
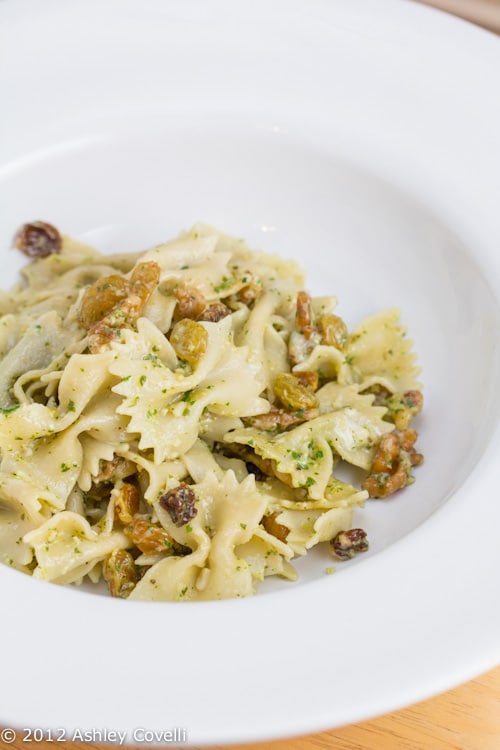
173, 421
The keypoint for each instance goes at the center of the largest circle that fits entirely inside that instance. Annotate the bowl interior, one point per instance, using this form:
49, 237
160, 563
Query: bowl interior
357, 236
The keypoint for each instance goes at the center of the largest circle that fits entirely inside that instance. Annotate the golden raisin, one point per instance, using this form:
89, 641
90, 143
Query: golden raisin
309, 378
144, 279
121, 573
292, 394
127, 502
149, 537
117, 301
273, 527
189, 339
101, 298
333, 330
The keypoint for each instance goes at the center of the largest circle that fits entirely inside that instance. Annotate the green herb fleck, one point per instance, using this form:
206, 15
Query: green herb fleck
9, 409
226, 282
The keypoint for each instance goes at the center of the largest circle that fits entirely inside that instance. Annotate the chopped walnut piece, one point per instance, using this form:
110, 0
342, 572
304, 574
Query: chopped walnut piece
122, 301
249, 293
149, 537
273, 527
280, 419
38, 239
215, 312
384, 483
346, 544
98, 493
101, 335
382, 394
116, 299
114, 470
180, 504
121, 573
127, 502
408, 439
263, 465
387, 455
402, 407
392, 464
304, 320
190, 302
299, 402
416, 458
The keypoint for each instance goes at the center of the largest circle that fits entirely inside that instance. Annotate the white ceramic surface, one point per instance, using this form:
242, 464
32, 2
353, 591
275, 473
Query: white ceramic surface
362, 139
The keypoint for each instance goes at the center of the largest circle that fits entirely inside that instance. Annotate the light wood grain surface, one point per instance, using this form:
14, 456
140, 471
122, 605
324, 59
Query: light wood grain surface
466, 718
485, 13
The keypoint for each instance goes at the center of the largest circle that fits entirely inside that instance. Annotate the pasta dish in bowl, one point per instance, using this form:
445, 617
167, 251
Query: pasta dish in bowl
176, 417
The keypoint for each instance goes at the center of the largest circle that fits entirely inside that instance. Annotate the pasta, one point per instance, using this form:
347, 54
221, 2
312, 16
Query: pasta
173, 421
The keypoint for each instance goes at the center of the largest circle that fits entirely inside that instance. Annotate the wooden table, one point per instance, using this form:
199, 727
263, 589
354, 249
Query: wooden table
483, 12
466, 718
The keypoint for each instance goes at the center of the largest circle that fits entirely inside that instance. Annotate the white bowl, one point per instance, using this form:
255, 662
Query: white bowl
362, 139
